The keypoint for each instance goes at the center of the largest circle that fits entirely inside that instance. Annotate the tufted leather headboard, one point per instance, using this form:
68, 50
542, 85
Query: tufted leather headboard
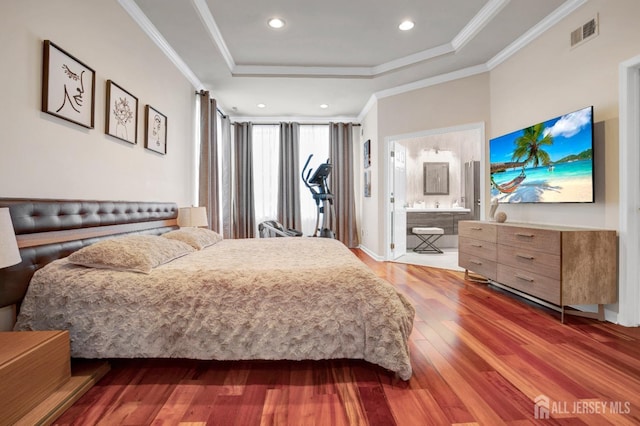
48, 230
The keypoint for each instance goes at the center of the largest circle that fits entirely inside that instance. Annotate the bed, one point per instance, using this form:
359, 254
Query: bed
267, 299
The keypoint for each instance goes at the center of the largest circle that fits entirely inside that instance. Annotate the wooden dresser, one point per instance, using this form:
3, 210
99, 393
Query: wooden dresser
559, 265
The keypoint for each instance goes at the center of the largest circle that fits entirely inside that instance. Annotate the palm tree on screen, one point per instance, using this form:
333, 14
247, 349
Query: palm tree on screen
529, 146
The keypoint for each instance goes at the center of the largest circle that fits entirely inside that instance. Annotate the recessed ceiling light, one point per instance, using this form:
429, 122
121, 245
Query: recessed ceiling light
262, 106
324, 106
276, 23
406, 25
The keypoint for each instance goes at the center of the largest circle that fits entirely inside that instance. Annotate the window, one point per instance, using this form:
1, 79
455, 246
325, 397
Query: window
314, 139
266, 139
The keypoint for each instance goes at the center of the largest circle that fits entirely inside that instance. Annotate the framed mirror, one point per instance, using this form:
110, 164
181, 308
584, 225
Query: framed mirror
436, 178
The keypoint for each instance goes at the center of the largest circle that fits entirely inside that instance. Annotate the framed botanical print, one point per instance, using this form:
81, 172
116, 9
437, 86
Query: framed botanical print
121, 114
155, 124
68, 86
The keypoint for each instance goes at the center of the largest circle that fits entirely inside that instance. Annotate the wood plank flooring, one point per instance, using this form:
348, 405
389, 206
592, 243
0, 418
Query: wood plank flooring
479, 356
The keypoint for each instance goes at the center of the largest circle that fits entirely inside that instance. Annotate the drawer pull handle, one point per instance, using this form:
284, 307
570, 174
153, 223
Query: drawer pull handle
520, 234
476, 229
476, 245
475, 262
524, 278
524, 256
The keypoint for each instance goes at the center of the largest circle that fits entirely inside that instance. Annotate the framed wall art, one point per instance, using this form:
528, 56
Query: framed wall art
367, 183
121, 114
68, 86
155, 124
367, 153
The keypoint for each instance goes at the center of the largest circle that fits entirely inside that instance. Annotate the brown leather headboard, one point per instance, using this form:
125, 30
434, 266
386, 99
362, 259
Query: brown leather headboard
48, 230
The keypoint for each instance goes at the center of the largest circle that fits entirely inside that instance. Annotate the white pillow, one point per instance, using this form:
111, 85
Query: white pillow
136, 253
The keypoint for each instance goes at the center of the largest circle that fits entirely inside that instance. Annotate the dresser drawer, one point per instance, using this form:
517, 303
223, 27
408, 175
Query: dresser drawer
545, 240
530, 260
479, 248
484, 267
537, 285
477, 230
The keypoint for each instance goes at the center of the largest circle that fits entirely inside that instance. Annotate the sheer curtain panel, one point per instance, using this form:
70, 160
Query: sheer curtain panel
208, 173
266, 139
243, 218
341, 182
289, 176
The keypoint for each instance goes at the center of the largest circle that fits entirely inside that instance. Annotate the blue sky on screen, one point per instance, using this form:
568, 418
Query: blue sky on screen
571, 135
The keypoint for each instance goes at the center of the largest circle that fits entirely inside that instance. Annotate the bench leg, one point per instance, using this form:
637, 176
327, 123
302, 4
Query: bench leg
427, 243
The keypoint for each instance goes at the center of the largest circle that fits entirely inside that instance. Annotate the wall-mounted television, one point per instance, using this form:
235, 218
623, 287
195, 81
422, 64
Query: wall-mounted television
549, 162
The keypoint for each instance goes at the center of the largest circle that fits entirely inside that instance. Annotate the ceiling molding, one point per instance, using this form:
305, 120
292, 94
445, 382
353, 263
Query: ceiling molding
210, 24
289, 71
478, 22
301, 120
150, 30
536, 31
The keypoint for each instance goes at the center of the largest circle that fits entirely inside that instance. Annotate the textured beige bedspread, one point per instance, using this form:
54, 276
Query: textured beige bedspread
278, 298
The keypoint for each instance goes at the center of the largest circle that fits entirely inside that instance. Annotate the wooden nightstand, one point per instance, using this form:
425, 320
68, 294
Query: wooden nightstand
37, 381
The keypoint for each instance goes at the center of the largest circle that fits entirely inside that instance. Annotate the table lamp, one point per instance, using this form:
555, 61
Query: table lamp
9, 253
192, 216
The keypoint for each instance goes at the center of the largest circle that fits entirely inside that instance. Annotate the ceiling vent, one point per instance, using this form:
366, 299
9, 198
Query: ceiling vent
585, 32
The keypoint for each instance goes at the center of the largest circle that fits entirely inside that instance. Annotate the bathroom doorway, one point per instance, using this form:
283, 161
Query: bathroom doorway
408, 170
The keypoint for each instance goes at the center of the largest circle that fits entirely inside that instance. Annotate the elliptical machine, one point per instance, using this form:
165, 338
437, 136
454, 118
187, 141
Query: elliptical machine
317, 184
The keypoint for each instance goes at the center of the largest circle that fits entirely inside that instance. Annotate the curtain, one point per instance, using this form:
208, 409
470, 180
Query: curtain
208, 171
226, 178
289, 176
341, 182
243, 215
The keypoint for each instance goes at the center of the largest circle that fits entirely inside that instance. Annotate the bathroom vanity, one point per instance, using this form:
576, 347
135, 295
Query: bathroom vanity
440, 217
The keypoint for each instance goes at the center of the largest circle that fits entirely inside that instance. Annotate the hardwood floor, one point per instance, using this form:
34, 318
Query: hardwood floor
479, 355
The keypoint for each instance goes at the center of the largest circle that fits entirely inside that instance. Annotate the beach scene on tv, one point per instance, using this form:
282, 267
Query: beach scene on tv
549, 162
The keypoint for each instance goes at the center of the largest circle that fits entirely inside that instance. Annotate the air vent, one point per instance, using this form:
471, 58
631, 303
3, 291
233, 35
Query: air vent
585, 32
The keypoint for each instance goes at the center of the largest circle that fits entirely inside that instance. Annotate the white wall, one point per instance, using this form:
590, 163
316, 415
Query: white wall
370, 234
442, 106
42, 156
548, 78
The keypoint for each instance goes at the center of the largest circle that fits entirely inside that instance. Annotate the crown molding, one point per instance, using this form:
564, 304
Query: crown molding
301, 120
478, 22
536, 31
150, 30
210, 24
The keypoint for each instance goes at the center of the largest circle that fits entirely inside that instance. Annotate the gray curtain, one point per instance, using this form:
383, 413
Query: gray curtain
226, 178
208, 173
289, 177
243, 218
341, 182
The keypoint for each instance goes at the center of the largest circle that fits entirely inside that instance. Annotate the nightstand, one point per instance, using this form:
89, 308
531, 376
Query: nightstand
37, 381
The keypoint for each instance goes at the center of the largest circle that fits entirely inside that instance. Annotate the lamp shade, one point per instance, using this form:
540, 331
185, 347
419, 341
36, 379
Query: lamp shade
9, 253
192, 216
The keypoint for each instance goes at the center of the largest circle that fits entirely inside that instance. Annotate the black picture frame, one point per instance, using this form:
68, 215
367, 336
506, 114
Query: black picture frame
121, 114
155, 124
68, 86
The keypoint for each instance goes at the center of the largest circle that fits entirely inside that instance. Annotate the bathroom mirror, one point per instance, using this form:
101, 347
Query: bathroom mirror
436, 178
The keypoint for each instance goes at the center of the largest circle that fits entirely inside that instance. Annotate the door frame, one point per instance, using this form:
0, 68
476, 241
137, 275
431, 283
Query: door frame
629, 163
388, 173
